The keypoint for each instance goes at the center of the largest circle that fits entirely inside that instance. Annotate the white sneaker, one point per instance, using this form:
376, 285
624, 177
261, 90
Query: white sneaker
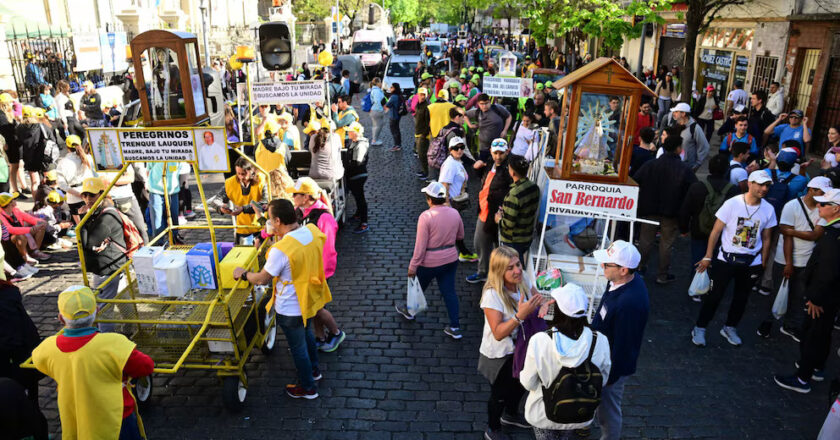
698, 336
66, 243
731, 335
23, 272
31, 269
54, 247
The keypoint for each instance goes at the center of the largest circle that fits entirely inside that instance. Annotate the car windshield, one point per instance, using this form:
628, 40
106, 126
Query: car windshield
400, 70
367, 47
433, 47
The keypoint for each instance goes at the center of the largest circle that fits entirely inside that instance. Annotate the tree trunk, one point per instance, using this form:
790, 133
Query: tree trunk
693, 21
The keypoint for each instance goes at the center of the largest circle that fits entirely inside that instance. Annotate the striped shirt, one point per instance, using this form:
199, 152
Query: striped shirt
519, 211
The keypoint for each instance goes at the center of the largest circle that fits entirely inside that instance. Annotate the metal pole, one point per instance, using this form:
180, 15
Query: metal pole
203, 8
639, 62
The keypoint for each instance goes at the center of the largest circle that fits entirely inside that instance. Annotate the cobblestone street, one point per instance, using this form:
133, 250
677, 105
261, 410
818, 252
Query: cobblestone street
394, 379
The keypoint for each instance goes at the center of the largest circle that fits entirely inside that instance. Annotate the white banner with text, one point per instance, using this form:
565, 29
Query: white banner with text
582, 199
509, 87
293, 92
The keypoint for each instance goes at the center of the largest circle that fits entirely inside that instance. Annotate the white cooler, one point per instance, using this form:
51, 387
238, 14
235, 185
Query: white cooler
144, 268
173, 276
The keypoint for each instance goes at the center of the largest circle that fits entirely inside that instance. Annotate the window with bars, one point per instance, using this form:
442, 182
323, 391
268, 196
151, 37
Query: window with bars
764, 72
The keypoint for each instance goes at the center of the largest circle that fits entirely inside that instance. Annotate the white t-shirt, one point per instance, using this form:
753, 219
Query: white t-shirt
490, 347
738, 96
737, 175
524, 138
743, 226
793, 215
452, 172
277, 265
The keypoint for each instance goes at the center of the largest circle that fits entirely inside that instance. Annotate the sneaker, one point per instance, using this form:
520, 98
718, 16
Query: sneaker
403, 310
789, 332
21, 274
792, 383
54, 247
455, 333
731, 335
667, 278
468, 258
416, 156
395, 148
319, 343
476, 278
817, 375
698, 336
764, 329
40, 256
696, 299
763, 291
420, 174
515, 420
361, 229
30, 268
316, 374
333, 341
189, 214
71, 232
66, 244
298, 392
490, 434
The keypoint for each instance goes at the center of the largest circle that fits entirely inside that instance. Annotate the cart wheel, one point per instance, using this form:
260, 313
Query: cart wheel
143, 387
233, 394
271, 334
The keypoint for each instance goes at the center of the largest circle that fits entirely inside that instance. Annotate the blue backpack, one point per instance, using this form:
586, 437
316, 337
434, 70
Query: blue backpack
367, 103
779, 192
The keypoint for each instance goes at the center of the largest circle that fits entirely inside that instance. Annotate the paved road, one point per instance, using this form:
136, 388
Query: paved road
407, 380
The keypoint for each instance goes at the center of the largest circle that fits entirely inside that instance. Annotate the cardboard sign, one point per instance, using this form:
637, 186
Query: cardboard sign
293, 92
87, 50
509, 87
567, 197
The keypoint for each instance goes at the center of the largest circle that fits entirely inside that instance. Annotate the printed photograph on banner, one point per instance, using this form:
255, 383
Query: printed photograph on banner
105, 149
526, 89
210, 146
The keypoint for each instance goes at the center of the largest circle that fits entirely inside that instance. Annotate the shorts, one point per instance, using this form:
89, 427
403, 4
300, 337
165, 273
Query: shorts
14, 155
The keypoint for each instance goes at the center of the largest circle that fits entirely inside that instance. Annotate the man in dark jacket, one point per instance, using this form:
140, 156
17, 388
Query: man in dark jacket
422, 132
760, 117
663, 184
91, 105
821, 278
357, 173
495, 185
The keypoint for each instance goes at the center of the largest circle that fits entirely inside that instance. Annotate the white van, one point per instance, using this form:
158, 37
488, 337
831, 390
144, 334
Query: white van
372, 47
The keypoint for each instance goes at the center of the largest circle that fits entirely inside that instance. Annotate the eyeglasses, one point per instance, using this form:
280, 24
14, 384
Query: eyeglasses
457, 147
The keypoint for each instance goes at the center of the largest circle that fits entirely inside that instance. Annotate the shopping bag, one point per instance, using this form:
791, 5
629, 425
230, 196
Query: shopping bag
415, 301
700, 284
780, 304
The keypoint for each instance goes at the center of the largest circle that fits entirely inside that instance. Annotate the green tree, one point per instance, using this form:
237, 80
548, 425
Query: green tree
311, 10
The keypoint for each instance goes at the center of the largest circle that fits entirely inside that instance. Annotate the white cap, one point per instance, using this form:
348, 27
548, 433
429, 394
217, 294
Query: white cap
621, 253
498, 144
820, 182
830, 196
681, 107
315, 125
457, 140
435, 190
760, 177
571, 300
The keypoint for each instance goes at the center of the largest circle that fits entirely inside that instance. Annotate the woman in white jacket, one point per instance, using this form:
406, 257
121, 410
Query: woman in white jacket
566, 344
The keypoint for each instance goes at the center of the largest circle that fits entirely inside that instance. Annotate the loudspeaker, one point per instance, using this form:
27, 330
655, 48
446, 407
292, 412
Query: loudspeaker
275, 45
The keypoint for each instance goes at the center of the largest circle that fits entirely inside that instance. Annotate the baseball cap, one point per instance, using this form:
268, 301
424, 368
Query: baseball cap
457, 140
787, 155
51, 175
463, 75
549, 85
305, 185
358, 128
710, 87
571, 300
5, 98
527, 57
93, 185
460, 98
443, 93
739, 108
797, 113
760, 177
426, 75
498, 144
480, 69
820, 182
312, 127
539, 86
435, 190
54, 197
72, 140
29, 111
472, 68
76, 302
621, 253
475, 79
682, 107
6, 198
423, 90
830, 196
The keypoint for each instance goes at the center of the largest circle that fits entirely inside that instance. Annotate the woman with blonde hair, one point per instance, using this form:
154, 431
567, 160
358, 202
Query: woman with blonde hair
8, 129
507, 300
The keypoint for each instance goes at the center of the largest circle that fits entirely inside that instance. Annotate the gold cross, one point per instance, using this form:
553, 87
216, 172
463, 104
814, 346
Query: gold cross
609, 72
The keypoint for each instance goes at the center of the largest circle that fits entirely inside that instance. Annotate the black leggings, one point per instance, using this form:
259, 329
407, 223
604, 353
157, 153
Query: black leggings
394, 126
184, 197
357, 187
505, 394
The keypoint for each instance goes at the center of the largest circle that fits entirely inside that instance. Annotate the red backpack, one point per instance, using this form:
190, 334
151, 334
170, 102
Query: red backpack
132, 237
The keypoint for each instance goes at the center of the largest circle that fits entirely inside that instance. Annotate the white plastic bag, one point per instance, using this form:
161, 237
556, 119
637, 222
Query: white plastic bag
700, 284
780, 304
415, 300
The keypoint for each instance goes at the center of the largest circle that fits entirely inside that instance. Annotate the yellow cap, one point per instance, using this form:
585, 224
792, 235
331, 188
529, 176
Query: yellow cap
93, 185
29, 111
423, 90
76, 302
357, 127
51, 175
287, 117
443, 93
6, 98
271, 126
88, 84
6, 198
72, 140
54, 197
305, 185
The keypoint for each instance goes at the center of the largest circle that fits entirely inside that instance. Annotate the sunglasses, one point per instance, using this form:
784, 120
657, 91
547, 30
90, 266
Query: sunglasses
824, 204
794, 117
457, 147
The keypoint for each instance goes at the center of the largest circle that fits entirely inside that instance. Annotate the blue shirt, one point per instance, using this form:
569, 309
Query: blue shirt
747, 139
797, 186
393, 104
376, 96
785, 132
622, 317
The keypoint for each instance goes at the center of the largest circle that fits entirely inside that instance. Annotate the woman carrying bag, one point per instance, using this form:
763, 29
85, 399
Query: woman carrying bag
666, 94
507, 301
454, 178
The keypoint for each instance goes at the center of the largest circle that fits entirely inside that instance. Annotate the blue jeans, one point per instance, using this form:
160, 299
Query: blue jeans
302, 345
521, 248
156, 213
664, 108
445, 276
608, 413
129, 429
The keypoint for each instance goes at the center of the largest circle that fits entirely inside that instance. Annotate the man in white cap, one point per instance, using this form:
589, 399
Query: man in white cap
821, 281
621, 317
695, 145
743, 226
435, 255
800, 226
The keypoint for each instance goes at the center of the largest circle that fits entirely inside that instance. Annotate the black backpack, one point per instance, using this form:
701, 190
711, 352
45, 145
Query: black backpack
575, 393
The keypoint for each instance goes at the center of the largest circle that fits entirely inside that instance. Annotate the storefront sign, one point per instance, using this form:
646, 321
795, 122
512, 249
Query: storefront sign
674, 30
296, 92
509, 87
572, 198
86, 48
722, 59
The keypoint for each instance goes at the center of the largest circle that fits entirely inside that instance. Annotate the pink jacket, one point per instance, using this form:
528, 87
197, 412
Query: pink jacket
437, 228
327, 225
26, 221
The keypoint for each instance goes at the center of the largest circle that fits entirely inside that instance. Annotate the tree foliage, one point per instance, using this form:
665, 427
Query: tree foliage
311, 10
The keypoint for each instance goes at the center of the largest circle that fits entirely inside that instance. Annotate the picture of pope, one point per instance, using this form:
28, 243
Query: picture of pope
212, 155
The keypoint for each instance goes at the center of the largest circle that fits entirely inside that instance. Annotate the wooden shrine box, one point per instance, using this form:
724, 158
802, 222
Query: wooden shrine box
597, 139
170, 81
